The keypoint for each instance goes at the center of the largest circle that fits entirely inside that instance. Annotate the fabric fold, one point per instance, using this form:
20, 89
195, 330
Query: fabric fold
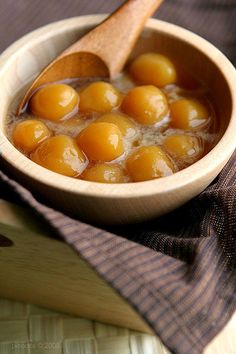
178, 272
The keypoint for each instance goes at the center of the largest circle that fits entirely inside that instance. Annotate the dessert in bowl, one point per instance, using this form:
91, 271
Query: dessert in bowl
132, 196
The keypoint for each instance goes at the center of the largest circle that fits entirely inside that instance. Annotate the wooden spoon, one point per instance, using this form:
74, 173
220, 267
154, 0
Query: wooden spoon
103, 51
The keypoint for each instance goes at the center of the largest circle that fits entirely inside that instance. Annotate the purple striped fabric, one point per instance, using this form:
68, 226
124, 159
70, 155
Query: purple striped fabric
179, 271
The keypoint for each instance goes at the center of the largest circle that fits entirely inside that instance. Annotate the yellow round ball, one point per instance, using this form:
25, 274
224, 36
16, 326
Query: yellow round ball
189, 114
149, 162
28, 134
185, 149
124, 123
146, 104
99, 97
101, 141
104, 173
54, 102
153, 69
60, 154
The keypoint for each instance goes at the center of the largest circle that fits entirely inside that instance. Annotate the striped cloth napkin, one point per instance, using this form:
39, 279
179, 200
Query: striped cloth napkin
179, 271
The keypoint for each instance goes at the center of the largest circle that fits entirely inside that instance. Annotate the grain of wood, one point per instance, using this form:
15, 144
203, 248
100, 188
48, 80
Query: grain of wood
143, 344
102, 330
114, 345
14, 348
45, 329
37, 310
13, 329
38, 268
12, 309
46, 348
13, 214
77, 328
80, 347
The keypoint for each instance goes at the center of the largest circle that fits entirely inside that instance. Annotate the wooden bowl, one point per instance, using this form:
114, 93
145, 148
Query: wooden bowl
120, 203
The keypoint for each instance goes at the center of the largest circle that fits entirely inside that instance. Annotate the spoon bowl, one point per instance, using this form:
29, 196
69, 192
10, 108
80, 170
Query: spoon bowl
100, 53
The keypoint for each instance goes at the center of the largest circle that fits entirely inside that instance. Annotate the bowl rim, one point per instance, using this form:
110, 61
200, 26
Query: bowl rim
216, 157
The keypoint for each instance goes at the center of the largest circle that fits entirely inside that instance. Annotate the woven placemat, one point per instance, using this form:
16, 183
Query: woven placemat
29, 329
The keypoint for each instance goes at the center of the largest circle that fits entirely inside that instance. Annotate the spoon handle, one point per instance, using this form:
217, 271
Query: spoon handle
114, 39
101, 52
